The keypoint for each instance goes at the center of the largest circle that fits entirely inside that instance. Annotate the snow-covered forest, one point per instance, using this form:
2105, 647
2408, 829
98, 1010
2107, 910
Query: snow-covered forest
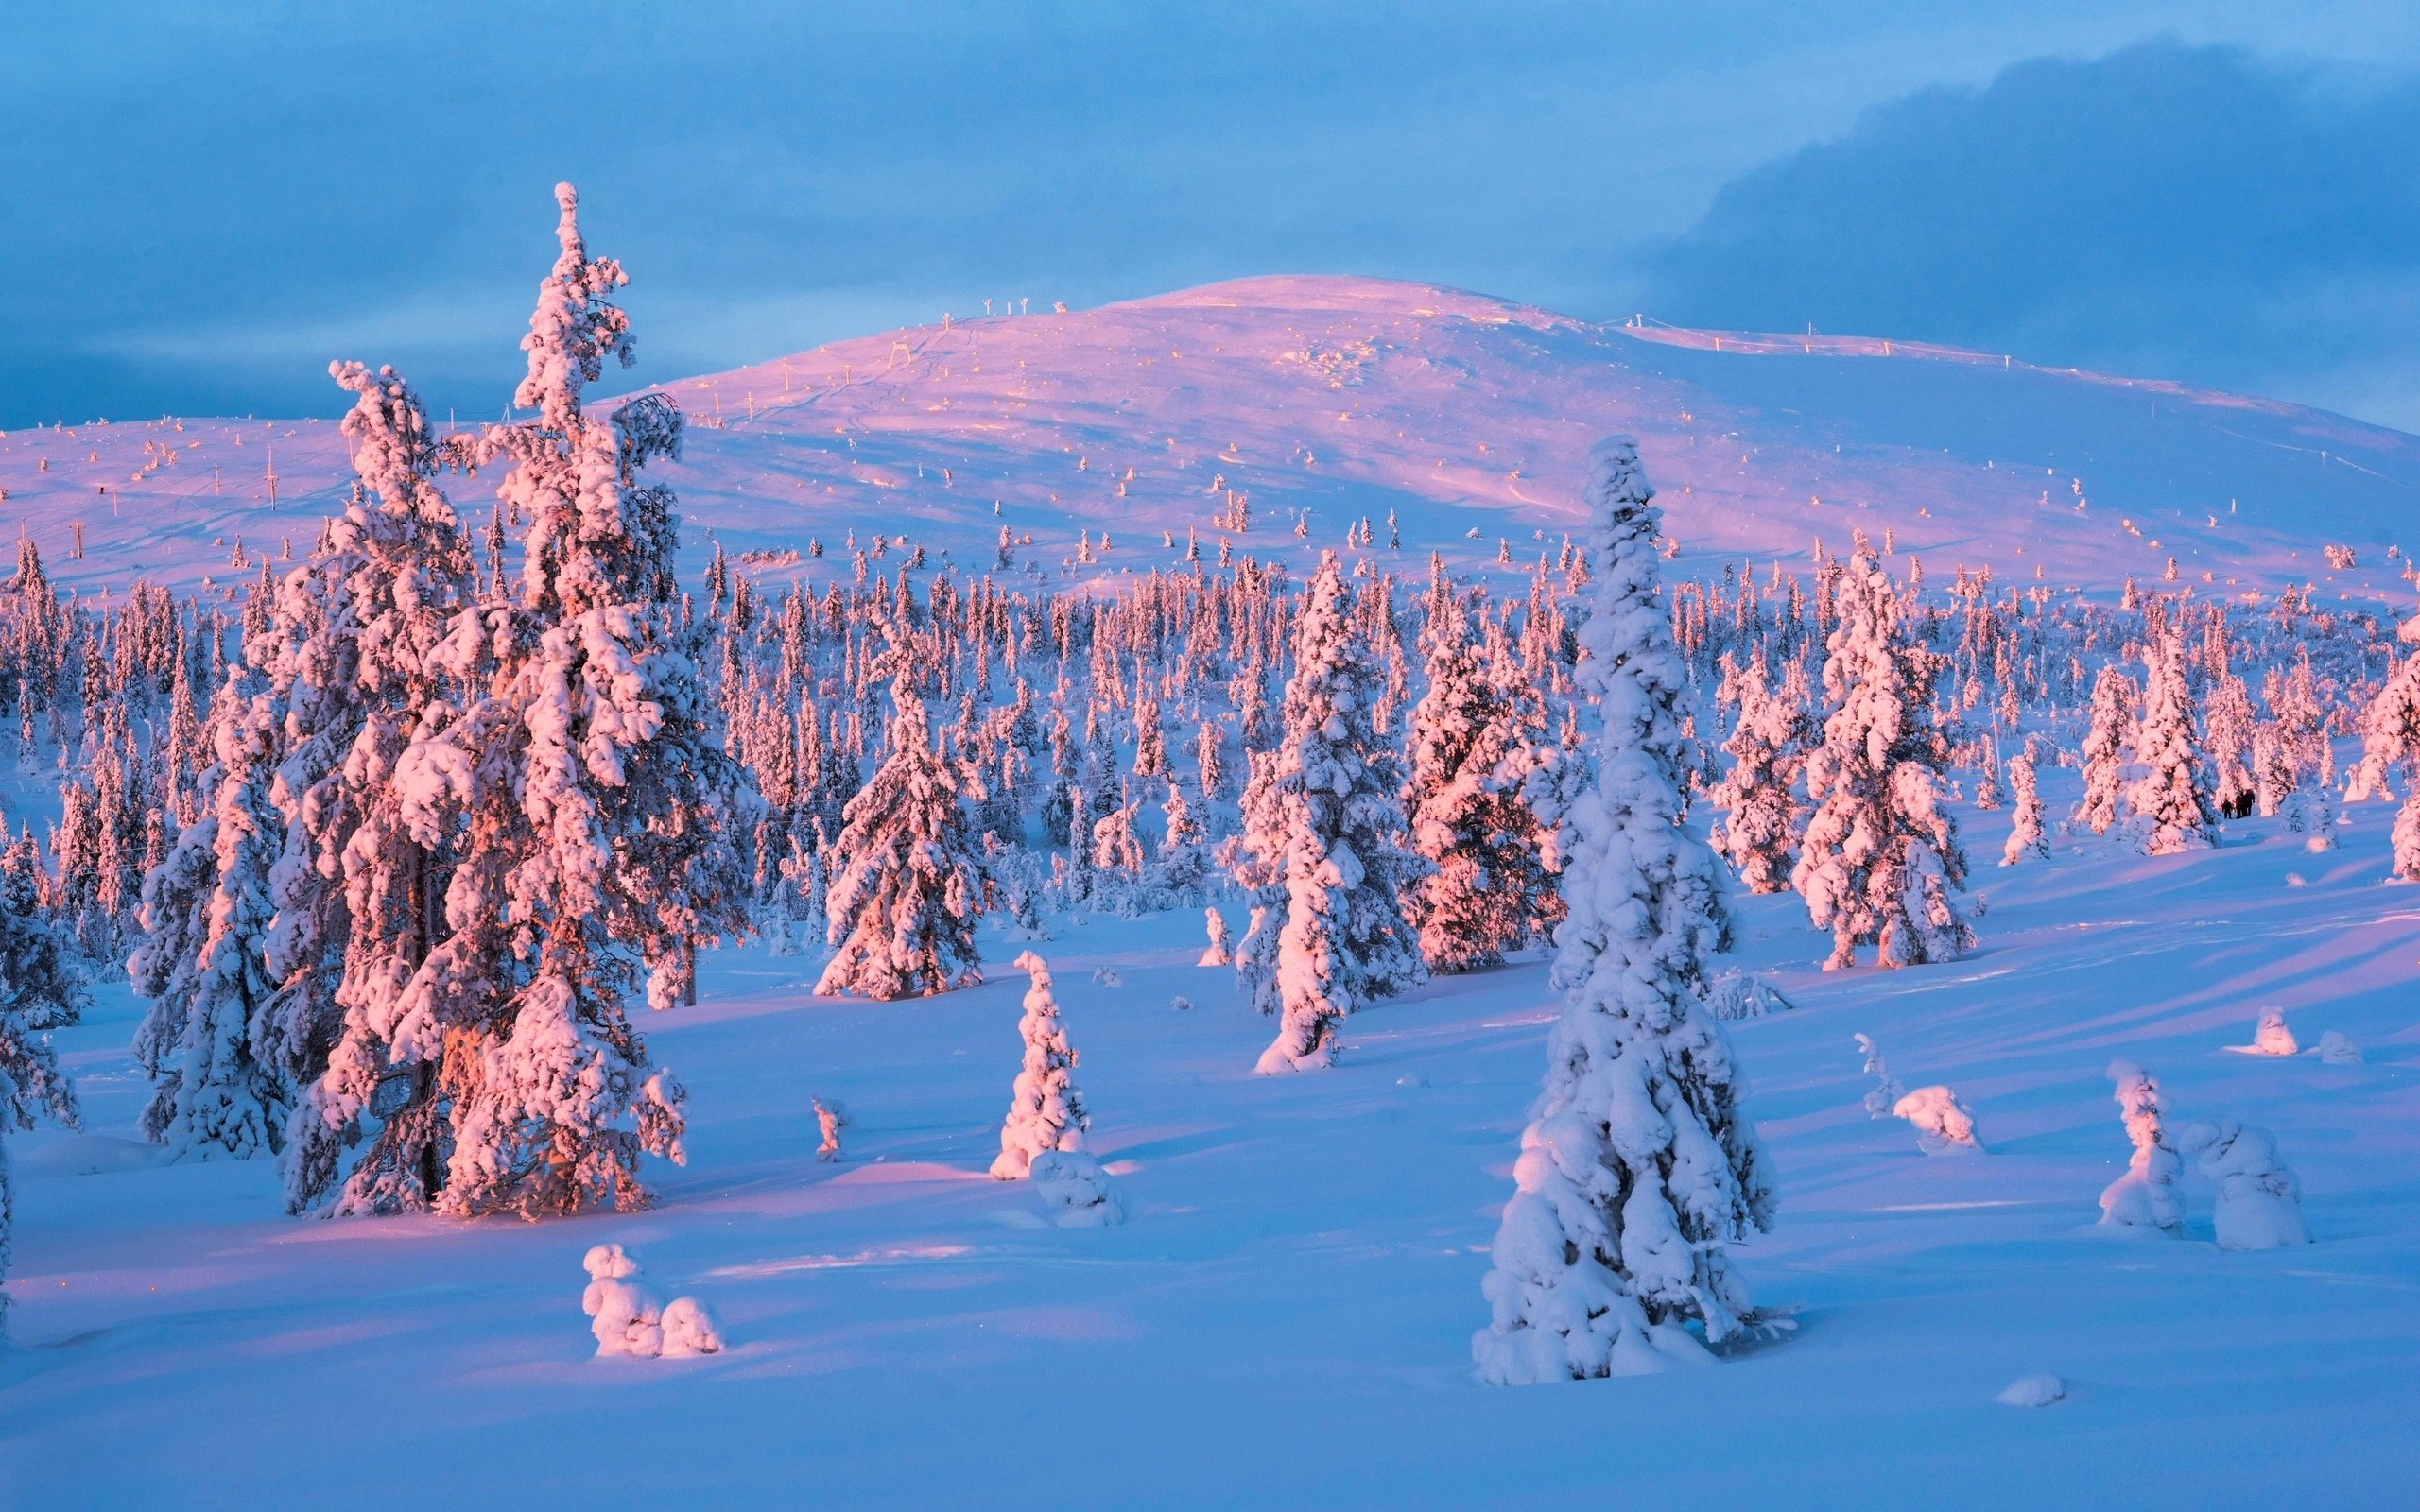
399, 861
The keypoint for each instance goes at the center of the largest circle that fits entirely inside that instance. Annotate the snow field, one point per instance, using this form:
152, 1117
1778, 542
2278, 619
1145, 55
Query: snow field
1307, 1249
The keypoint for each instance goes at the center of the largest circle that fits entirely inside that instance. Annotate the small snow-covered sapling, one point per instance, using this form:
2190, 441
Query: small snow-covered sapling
2149, 1195
2273, 1038
1887, 1090
831, 1117
1943, 1126
1217, 954
1045, 1112
2260, 1203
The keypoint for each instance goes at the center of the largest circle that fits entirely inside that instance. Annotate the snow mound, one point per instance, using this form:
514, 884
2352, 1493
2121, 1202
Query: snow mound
2033, 1391
689, 1327
1076, 1193
2336, 1049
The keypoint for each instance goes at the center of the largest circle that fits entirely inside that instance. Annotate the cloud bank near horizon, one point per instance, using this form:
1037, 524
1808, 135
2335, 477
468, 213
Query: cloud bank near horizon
200, 223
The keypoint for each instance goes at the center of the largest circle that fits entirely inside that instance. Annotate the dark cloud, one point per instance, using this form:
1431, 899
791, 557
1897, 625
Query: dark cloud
2175, 212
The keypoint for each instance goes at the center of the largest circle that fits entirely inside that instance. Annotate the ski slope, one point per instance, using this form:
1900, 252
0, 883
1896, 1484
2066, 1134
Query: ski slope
1326, 401
1284, 1320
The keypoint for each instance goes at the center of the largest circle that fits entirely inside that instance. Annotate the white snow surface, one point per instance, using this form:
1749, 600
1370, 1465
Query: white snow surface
1309, 1249
1348, 397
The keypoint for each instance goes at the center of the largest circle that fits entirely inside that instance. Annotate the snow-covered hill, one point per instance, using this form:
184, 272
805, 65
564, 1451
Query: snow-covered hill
1342, 399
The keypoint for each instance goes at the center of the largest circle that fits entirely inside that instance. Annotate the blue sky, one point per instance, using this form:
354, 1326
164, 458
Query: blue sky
205, 203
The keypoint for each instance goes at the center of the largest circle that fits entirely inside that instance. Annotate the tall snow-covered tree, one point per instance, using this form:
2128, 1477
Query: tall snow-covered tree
1761, 818
40, 990
595, 822
1490, 891
2104, 750
360, 1012
1881, 862
2169, 800
1045, 1112
1345, 942
907, 887
1640, 1165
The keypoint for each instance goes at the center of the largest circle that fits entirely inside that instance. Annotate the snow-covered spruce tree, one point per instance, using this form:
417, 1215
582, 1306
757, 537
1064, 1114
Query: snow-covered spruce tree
1489, 889
1046, 1112
1881, 861
2025, 837
2169, 801
1255, 857
1761, 819
2229, 748
2104, 750
40, 990
1333, 783
592, 815
1640, 1165
166, 967
908, 886
2391, 737
221, 1101
360, 891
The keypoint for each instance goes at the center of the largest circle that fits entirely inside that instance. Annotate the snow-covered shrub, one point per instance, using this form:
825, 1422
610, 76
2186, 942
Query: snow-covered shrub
1942, 1125
1738, 994
1887, 1090
1639, 1165
2149, 1195
2335, 1049
1045, 1112
629, 1317
2261, 1199
2271, 1037
1076, 1193
1217, 953
831, 1117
